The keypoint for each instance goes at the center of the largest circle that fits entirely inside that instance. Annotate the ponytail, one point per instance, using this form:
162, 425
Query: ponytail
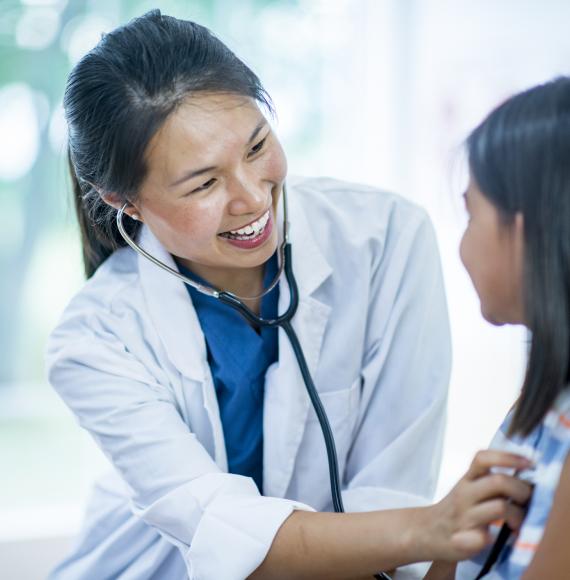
100, 236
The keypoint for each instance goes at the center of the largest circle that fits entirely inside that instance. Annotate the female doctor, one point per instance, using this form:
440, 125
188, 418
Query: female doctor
220, 470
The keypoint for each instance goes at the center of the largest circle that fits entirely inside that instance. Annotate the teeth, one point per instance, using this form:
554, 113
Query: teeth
255, 227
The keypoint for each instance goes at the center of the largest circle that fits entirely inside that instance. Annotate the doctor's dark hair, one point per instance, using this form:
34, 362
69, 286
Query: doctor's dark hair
520, 159
119, 95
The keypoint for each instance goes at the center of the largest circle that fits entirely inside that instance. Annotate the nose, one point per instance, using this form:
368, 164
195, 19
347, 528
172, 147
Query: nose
246, 196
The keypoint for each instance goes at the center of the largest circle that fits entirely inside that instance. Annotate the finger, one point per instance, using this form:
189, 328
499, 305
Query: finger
515, 516
499, 485
484, 460
486, 513
470, 542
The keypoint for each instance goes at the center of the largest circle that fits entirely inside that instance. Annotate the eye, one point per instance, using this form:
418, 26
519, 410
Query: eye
205, 186
257, 147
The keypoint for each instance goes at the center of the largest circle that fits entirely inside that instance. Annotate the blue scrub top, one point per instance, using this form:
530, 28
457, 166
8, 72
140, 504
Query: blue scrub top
239, 357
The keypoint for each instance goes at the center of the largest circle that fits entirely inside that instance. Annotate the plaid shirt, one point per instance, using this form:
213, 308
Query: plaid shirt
548, 445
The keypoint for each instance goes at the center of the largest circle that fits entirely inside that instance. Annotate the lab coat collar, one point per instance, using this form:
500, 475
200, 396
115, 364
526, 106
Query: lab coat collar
171, 310
309, 263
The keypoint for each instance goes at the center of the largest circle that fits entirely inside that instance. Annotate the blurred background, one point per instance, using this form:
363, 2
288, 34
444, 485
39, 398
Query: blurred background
374, 91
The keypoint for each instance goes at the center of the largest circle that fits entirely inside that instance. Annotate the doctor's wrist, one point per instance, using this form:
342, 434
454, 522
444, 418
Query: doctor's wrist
418, 542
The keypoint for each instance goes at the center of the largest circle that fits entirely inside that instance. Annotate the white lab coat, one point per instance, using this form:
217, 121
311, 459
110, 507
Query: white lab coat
129, 359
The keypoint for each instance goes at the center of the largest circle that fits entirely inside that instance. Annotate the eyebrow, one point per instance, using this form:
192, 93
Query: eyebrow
256, 131
196, 172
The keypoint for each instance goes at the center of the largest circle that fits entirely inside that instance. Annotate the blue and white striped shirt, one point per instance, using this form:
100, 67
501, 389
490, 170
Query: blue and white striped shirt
548, 446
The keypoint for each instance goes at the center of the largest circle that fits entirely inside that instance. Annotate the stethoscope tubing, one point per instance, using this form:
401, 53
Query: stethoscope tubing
284, 322
495, 552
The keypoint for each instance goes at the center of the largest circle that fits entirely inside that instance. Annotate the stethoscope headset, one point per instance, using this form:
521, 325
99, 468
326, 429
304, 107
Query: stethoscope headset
282, 321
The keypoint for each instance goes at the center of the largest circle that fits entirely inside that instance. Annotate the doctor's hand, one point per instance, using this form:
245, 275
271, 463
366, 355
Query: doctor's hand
458, 526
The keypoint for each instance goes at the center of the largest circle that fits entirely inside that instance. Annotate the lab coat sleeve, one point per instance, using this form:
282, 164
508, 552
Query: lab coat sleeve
395, 458
220, 523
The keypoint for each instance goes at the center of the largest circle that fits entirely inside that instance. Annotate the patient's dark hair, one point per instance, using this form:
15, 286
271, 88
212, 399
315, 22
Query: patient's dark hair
119, 95
520, 159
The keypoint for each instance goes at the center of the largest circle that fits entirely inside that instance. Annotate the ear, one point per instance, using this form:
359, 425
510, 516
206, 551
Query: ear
517, 237
519, 264
519, 227
114, 201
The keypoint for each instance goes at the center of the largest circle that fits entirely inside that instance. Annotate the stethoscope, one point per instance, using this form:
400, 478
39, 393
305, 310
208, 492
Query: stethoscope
283, 321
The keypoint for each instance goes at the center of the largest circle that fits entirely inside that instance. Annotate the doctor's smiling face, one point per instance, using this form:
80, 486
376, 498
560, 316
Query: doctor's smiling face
215, 175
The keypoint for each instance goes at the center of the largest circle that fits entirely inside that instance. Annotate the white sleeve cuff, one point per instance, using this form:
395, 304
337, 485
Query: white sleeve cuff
223, 527
234, 538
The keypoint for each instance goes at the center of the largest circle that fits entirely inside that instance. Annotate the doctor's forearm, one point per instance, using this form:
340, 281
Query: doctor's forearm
342, 546
353, 545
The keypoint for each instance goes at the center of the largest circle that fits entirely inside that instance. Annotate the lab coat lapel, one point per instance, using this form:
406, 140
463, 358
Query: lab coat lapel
171, 310
286, 399
175, 320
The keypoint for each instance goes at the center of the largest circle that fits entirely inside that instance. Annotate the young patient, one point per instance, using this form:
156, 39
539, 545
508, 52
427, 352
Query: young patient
517, 251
